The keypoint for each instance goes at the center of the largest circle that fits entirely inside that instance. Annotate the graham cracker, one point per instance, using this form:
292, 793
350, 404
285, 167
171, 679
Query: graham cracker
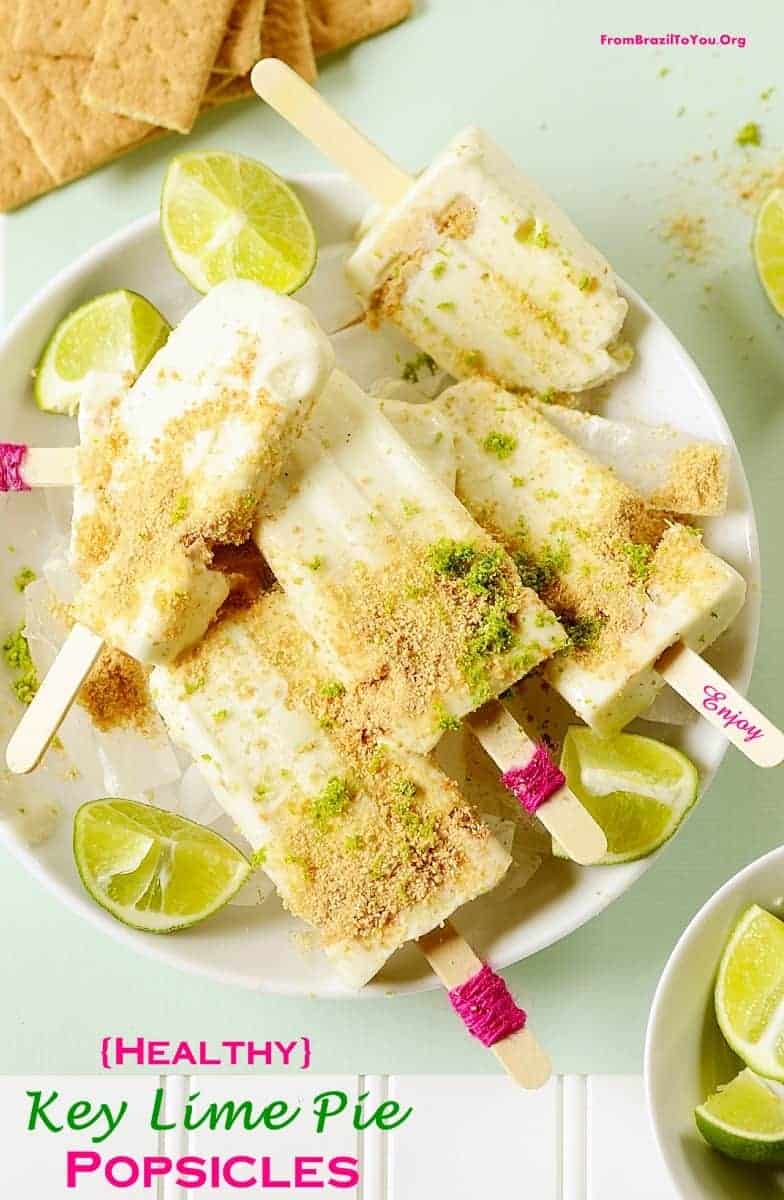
44, 97
22, 174
285, 34
241, 46
153, 61
226, 91
335, 24
58, 28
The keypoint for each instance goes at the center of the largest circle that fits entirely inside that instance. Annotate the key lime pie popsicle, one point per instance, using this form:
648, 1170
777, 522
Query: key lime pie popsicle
370, 845
177, 465
472, 260
480, 268
405, 594
172, 469
413, 605
626, 581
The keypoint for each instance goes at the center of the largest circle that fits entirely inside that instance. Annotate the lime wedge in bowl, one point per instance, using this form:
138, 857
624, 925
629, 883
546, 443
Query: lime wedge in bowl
151, 869
749, 992
745, 1120
113, 337
637, 789
224, 216
768, 247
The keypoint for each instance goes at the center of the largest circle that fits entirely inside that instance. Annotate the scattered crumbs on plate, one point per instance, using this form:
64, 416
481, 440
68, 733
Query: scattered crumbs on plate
689, 236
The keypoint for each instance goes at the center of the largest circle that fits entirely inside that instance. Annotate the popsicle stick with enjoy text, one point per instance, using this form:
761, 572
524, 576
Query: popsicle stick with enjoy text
724, 708
51, 703
454, 962
562, 815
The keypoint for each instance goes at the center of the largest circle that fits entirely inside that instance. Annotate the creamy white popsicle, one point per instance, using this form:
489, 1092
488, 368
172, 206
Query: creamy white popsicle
406, 596
370, 845
176, 465
484, 272
627, 582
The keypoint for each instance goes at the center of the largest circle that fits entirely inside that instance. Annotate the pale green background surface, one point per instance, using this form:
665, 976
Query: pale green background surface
598, 127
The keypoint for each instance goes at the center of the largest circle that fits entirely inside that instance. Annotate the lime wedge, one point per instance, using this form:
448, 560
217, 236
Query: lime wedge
151, 869
750, 992
228, 217
110, 338
768, 247
637, 789
745, 1120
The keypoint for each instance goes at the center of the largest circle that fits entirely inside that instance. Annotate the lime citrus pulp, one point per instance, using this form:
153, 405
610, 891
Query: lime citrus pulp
749, 992
151, 869
637, 789
745, 1120
109, 340
224, 216
768, 247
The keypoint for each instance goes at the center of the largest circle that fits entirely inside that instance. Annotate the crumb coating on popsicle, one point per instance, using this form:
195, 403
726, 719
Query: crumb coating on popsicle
149, 513
385, 835
605, 557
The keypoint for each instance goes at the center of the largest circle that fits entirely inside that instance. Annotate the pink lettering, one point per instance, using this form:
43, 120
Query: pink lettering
729, 717
81, 1162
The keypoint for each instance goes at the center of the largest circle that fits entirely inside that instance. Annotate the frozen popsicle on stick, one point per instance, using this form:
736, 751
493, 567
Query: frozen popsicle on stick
472, 260
628, 583
369, 844
416, 609
172, 469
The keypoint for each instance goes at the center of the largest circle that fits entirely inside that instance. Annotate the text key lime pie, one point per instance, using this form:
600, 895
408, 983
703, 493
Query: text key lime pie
295, 609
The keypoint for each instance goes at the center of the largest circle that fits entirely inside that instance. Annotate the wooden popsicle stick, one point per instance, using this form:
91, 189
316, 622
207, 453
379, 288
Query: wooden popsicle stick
49, 466
724, 708
52, 701
303, 107
454, 962
562, 815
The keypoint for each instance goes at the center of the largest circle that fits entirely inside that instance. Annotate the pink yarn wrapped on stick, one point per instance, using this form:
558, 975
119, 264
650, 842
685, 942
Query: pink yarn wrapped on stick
536, 782
487, 1008
12, 455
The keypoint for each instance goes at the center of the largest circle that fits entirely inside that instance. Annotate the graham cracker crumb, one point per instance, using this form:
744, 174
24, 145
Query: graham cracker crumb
697, 482
391, 833
689, 236
116, 693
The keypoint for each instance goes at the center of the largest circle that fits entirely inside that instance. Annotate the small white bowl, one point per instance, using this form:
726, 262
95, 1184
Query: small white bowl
686, 1057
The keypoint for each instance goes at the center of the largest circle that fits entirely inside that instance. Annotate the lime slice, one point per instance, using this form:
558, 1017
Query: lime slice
152, 869
110, 338
637, 789
750, 992
768, 247
745, 1120
228, 217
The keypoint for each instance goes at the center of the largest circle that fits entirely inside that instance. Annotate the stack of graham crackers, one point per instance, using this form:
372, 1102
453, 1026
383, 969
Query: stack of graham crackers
84, 81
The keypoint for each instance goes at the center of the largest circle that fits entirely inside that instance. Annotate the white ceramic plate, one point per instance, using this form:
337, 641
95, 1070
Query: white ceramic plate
255, 948
686, 1057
